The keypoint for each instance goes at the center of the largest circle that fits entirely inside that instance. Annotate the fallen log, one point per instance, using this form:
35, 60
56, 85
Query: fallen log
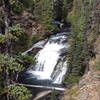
40, 86
42, 94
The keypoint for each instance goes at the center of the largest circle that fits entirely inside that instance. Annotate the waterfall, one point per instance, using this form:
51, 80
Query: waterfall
39, 45
50, 60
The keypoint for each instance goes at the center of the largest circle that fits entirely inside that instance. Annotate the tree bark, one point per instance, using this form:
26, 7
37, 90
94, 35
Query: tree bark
8, 23
40, 86
8, 46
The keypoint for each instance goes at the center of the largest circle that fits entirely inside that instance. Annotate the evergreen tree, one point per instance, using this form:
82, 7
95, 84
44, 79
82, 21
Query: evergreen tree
58, 9
67, 6
9, 66
78, 51
44, 14
64, 9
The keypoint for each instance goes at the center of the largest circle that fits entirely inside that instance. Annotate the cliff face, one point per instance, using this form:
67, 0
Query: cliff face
88, 87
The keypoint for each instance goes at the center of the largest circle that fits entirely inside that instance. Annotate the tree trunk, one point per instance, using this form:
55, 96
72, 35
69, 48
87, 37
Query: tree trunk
8, 23
8, 45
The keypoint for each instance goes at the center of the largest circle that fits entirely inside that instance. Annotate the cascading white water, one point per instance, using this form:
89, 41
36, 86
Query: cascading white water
59, 73
40, 44
50, 64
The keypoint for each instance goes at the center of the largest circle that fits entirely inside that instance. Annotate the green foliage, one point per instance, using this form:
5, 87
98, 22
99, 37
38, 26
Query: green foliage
16, 30
72, 79
44, 14
9, 63
8, 67
64, 9
78, 51
10, 36
2, 38
54, 95
29, 4
23, 42
26, 59
98, 65
16, 6
98, 75
18, 92
6, 37
36, 38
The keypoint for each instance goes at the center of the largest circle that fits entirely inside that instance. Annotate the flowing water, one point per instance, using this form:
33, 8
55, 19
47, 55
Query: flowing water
51, 61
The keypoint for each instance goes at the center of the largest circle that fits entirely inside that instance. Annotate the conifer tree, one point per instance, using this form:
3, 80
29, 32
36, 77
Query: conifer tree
44, 14
78, 51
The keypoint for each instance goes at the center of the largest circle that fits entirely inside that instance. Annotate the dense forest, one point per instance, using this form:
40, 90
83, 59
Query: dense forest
25, 22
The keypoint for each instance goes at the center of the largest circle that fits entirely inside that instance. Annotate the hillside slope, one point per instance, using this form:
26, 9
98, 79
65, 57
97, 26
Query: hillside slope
88, 87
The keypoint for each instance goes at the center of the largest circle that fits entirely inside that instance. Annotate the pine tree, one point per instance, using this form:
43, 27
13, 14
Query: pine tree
58, 9
78, 51
9, 66
44, 14
64, 9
